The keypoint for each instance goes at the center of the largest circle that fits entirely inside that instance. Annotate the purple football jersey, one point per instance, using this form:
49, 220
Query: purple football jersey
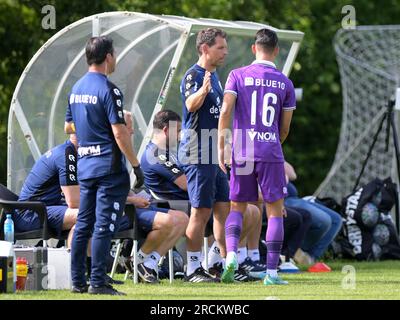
262, 93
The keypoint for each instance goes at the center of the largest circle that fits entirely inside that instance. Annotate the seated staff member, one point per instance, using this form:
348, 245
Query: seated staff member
52, 180
163, 227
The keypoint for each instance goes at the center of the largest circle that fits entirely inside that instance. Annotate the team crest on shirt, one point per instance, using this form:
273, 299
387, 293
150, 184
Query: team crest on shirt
248, 81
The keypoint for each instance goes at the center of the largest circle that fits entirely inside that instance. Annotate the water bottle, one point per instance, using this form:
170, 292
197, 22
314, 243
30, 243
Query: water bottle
9, 229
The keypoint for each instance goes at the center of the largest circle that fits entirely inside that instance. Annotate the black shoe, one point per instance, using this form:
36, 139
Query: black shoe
201, 275
216, 270
79, 289
250, 265
254, 269
146, 274
110, 280
106, 289
241, 275
260, 264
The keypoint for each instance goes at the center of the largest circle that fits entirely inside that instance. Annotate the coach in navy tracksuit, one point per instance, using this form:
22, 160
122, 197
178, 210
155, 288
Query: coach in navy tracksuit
95, 111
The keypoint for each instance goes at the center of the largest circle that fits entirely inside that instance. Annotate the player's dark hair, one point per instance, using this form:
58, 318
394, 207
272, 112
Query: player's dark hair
267, 39
163, 117
208, 36
97, 49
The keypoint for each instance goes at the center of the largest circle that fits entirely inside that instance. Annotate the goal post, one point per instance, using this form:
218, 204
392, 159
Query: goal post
369, 63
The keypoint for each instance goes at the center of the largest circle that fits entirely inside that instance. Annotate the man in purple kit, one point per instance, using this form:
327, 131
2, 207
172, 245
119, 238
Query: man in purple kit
263, 101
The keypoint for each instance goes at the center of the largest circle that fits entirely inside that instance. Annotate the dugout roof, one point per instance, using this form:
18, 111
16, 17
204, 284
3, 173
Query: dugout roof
153, 52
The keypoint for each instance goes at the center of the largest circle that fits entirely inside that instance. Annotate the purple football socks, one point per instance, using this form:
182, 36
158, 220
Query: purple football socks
233, 229
274, 239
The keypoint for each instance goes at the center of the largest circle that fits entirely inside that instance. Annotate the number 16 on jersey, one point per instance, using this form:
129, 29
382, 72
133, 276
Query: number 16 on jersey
268, 111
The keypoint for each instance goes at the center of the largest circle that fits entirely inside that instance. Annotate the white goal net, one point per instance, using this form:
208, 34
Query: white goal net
369, 64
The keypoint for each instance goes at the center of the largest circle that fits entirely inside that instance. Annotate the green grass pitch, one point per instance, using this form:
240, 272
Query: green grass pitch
371, 280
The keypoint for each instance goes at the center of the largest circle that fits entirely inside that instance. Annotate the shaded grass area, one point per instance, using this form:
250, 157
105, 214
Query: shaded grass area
348, 280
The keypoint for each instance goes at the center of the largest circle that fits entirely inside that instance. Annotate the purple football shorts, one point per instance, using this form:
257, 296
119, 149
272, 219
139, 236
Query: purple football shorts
247, 176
